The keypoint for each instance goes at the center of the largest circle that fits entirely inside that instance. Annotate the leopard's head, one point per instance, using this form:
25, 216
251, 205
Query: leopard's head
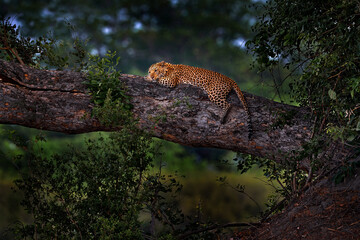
157, 71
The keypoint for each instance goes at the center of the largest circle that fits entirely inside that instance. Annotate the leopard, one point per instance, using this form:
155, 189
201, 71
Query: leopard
216, 85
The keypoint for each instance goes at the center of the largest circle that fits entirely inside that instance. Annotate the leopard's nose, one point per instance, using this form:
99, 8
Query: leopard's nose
147, 78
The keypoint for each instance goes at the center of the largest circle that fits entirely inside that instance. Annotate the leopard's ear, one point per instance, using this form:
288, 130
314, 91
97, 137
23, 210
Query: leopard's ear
162, 63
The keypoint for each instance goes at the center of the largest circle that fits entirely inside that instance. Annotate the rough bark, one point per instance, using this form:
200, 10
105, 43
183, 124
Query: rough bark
59, 101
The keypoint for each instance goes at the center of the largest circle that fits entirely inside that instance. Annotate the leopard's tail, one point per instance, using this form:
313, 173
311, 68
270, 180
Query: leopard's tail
242, 99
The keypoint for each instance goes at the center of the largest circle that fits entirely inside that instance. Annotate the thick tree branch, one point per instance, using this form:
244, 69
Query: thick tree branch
59, 101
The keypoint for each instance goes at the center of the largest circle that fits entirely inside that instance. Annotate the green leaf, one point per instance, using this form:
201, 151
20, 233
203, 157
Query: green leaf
332, 94
358, 126
350, 138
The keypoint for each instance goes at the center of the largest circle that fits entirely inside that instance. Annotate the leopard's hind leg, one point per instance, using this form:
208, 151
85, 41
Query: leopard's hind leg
218, 97
225, 113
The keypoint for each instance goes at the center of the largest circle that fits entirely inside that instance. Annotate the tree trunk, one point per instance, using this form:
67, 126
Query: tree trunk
58, 101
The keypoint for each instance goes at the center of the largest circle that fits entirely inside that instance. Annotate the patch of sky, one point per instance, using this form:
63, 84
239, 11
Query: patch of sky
240, 42
106, 30
138, 26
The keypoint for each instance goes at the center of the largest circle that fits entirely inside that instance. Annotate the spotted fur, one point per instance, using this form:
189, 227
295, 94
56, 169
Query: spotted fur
216, 85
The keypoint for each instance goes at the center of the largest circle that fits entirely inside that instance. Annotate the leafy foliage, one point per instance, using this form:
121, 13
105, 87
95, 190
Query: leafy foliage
93, 193
99, 193
112, 105
15, 46
42, 52
273, 171
288, 177
319, 42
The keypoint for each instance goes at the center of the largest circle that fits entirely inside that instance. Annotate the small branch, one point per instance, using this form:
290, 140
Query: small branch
313, 128
14, 51
216, 226
272, 209
246, 194
323, 120
71, 219
293, 70
277, 87
282, 186
308, 180
167, 220
294, 188
328, 109
8, 48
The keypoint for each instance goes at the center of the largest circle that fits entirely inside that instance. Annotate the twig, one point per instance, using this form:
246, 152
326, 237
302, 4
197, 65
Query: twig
313, 128
323, 120
294, 69
336, 75
276, 86
9, 49
216, 226
167, 219
17, 56
71, 219
310, 174
328, 109
246, 194
282, 186
308, 180
269, 183
294, 189
355, 223
272, 210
